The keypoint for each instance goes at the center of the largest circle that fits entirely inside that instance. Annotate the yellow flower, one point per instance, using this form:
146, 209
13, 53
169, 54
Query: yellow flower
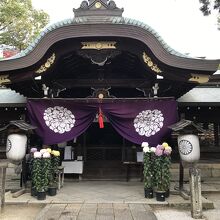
165, 145
56, 153
49, 150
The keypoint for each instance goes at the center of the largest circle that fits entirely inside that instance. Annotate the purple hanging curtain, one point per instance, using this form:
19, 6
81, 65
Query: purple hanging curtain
135, 120
142, 120
59, 120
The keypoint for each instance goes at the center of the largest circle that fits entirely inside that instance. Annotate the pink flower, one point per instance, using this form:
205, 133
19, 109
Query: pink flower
167, 150
33, 149
159, 146
158, 152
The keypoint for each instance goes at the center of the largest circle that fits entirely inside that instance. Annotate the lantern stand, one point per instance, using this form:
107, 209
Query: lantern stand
15, 150
189, 150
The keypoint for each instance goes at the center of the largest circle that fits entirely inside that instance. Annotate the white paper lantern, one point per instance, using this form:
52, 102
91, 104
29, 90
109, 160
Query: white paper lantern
16, 146
189, 148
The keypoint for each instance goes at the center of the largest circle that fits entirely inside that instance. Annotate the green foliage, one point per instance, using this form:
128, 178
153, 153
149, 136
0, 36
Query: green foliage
37, 180
55, 162
41, 173
162, 172
148, 170
46, 172
205, 8
209, 5
20, 23
51, 173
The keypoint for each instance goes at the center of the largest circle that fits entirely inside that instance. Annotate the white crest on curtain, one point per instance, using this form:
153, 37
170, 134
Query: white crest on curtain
59, 119
149, 122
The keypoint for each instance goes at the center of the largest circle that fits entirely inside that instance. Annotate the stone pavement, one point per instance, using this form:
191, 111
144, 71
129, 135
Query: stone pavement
100, 211
104, 192
105, 200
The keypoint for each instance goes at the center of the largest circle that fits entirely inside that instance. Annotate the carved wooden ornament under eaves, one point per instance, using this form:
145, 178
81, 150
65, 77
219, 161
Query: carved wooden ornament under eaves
150, 63
98, 45
47, 65
199, 78
4, 79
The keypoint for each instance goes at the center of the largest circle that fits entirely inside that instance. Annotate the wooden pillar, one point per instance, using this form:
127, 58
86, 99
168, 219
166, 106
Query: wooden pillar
216, 131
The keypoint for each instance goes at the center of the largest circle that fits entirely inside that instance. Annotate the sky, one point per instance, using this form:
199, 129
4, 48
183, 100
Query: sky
179, 22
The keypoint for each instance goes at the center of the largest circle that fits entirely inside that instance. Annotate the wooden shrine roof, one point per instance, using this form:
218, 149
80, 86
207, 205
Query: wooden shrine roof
99, 48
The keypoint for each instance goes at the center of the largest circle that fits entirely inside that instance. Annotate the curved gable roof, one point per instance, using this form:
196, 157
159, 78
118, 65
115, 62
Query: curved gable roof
113, 20
104, 27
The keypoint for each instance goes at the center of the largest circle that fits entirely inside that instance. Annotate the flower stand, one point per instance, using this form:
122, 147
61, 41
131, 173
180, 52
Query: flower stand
160, 196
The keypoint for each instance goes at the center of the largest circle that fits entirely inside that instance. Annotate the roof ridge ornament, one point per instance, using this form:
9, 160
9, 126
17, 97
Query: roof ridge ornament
94, 8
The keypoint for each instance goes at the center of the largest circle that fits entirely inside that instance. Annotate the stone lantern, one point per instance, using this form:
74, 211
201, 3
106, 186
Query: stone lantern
189, 150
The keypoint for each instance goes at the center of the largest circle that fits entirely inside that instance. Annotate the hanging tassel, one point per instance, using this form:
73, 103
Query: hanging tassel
101, 121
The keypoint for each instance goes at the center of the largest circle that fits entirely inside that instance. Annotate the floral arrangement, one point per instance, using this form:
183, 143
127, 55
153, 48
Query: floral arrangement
162, 163
148, 165
44, 166
55, 162
36, 173
33, 150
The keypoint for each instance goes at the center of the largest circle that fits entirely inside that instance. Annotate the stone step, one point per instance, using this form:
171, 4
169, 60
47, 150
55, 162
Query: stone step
208, 170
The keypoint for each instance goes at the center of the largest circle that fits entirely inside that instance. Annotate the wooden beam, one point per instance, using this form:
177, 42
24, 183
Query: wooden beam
122, 83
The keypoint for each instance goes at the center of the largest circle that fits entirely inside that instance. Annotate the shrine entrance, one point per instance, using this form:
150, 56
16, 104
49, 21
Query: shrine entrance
104, 151
103, 144
100, 54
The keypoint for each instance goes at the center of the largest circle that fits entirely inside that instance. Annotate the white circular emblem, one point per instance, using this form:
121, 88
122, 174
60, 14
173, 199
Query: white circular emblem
185, 147
148, 123
59, 119
8, 146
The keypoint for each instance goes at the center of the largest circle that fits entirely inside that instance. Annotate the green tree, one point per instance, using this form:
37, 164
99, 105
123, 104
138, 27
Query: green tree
20, 23
209, 5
